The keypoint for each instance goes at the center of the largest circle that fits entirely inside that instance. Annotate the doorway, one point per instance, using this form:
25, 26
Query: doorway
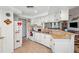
24, 30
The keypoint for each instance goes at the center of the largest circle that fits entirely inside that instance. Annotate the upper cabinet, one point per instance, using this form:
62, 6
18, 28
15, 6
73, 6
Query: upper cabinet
59, 13
64, 14
52, 25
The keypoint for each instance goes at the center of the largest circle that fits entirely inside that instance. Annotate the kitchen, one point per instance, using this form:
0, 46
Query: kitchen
48, 26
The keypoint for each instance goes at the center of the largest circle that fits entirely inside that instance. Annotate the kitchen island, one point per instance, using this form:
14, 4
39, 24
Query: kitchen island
59, 41
59, 34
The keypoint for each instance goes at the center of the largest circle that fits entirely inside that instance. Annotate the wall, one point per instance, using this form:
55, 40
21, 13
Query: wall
74, 12
16, 18
7, 30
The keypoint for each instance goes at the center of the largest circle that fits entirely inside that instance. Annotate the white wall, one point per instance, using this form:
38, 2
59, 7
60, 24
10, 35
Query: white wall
7, 30
15, 17
74, 12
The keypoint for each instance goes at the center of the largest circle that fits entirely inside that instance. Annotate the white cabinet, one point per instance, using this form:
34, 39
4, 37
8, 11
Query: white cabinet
32, 37
46, 40
41, 38
63, 45
36, 37
64, 15
57, 45
1, 44
55, 24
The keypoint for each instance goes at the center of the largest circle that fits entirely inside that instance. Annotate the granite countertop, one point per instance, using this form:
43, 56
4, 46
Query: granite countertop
58, 34
61, 34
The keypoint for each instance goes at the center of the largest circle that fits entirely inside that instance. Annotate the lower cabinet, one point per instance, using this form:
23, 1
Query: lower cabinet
1, 44
46, 40
17, 41
62, 46
56, 45
42, 38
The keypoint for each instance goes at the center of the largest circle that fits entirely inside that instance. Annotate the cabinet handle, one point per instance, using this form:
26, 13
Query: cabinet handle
53, 43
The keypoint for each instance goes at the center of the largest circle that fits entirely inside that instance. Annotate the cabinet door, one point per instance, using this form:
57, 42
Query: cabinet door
62, 46
45, 40
41, 38
37, 37
1, 45
33, 36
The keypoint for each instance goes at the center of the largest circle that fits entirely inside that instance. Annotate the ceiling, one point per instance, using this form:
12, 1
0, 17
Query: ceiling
30, 12
39, 10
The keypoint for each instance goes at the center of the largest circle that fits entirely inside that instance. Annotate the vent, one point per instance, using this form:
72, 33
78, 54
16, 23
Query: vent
30, 6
